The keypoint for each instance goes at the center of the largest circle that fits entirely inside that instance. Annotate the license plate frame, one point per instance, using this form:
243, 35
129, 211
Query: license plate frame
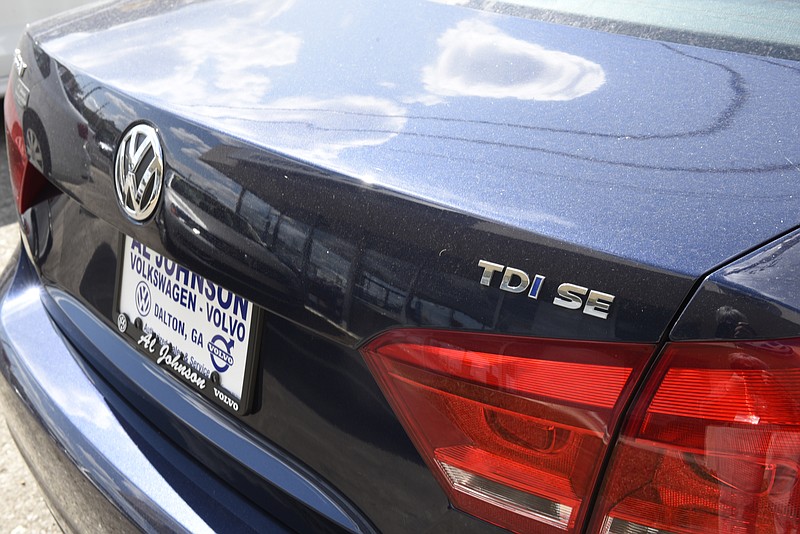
179, 358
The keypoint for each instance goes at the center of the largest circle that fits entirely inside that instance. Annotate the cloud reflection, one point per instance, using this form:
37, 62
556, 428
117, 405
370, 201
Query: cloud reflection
478, 59
319, 129
236, 66
240, 66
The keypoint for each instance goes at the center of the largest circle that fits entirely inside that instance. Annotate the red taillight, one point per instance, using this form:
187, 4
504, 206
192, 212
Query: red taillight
515, 429
26, 180
712, 445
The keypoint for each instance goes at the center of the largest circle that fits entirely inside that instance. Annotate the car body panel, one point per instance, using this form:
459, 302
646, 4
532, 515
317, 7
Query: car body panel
625, 126
291, 491
146, 482
346, 194
275, 219
755, 297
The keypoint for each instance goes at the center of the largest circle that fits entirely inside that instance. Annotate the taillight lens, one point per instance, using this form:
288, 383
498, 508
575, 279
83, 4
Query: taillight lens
712, 445
514, 429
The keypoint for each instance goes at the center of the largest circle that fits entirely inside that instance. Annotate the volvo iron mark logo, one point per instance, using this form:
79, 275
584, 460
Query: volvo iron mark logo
139, 172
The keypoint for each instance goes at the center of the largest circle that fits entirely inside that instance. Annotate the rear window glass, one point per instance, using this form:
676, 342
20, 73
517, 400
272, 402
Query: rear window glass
763, 27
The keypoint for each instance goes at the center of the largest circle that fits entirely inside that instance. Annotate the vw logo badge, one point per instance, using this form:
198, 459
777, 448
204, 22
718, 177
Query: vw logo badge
139, 172
143, 299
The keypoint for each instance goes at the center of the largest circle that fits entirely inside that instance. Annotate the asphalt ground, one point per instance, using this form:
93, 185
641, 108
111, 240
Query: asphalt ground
23, 508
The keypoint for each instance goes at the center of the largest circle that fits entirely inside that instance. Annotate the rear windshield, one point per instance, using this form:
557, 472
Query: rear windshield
763, 27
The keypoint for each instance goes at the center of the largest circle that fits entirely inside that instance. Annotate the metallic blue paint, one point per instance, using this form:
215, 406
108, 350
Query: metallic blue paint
86, 446
346, 172
668, 155
755, 297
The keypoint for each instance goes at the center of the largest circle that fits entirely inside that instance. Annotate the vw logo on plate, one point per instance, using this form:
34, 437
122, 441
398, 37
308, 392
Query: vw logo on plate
139, 172
143, 300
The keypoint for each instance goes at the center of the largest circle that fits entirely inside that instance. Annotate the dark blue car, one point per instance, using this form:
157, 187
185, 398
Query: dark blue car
410, 266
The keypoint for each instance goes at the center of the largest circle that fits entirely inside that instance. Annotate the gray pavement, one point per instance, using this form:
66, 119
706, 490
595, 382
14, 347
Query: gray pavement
23, 507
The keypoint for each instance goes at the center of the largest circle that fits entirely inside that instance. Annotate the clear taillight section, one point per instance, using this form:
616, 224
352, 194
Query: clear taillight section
712, 444
515, 429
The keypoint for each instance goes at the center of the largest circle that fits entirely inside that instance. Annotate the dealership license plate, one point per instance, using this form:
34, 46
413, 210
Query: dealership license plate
200, 332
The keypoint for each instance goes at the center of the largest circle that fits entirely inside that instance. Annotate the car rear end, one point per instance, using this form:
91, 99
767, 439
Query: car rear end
520, 275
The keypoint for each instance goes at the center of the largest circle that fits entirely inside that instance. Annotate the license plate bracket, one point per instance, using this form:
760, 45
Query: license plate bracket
202, 334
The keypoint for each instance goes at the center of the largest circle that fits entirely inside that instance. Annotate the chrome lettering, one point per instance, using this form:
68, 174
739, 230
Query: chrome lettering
569, 296
598, 304
489, 269
507, 284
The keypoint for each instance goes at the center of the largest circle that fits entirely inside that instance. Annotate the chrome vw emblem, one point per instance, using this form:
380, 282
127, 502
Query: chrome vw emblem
139, 172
